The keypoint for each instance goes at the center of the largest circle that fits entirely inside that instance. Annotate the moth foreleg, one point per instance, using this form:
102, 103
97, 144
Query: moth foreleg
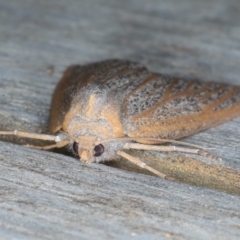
141, 164
48, 147
44, 137
58, 141
170, 149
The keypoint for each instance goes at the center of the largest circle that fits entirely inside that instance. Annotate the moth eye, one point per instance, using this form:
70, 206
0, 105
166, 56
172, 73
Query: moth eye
75, 147
98, 150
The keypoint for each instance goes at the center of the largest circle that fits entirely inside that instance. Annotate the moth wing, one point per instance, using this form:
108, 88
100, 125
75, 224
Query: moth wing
151, 105
62, 97
174, 108
103, 74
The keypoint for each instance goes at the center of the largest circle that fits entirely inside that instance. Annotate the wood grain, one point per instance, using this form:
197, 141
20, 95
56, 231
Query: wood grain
46, 195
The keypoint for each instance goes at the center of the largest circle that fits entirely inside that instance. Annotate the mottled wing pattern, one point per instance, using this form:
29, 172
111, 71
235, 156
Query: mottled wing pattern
175, 108
152, 105
62, 98
158, 106
105, 74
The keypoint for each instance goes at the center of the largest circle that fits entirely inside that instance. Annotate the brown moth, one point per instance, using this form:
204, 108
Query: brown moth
101, 108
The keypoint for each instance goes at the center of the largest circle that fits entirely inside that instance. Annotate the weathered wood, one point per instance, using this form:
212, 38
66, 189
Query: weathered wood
51, 196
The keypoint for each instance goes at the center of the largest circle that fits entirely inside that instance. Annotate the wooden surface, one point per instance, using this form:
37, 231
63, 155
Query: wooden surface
46, 195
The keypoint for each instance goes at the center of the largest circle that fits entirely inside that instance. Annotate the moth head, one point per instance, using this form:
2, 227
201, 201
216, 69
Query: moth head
87, 148
90, 148
91, 119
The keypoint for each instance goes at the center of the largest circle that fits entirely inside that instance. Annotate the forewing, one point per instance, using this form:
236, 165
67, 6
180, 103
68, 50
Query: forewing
62, 97
151, 105
174, 108
110, 74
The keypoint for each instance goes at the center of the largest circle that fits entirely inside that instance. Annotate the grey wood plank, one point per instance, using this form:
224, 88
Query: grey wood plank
51, 196
47, 195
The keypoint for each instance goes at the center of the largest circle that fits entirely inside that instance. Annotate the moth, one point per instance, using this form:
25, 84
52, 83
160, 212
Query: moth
102, 108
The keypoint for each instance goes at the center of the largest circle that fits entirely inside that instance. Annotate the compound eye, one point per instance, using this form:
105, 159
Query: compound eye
98, 150
75, 148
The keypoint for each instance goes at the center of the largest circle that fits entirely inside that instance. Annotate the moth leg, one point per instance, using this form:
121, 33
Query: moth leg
29, 135
59, 143
142, 164
170, 149
56, 145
